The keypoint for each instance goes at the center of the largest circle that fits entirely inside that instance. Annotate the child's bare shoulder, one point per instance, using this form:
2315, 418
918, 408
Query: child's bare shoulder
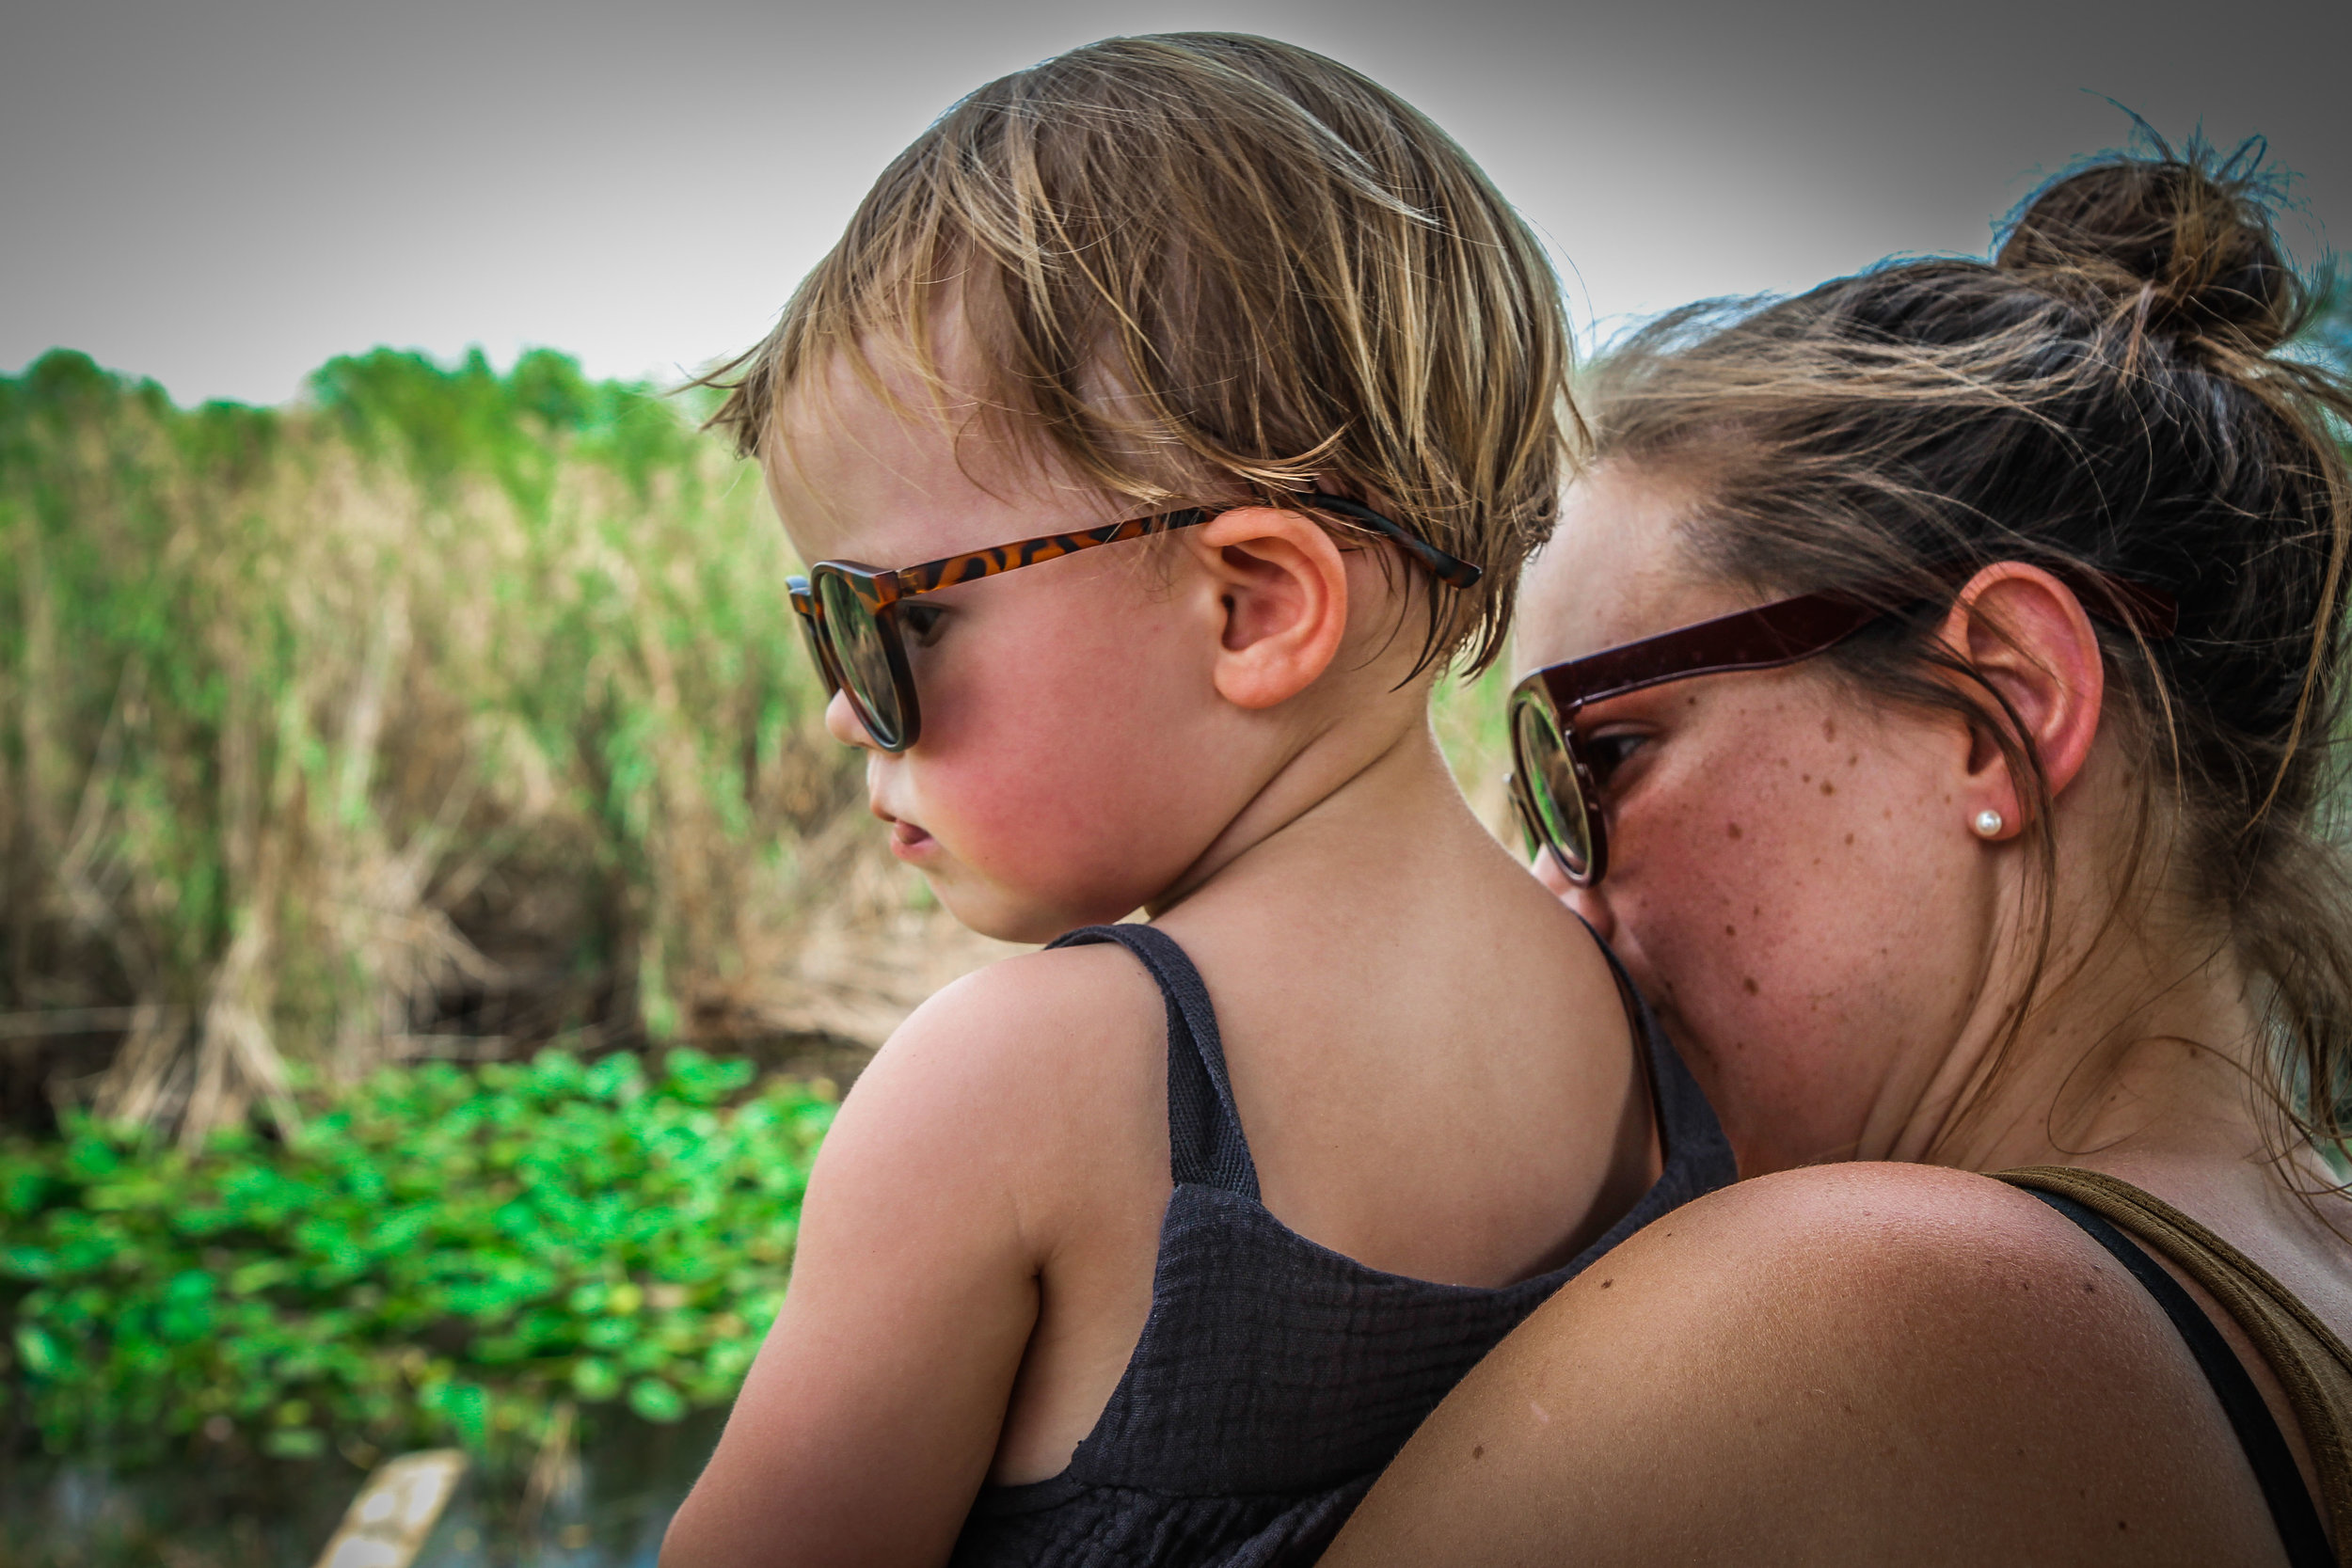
1061, 1009
1020, 1068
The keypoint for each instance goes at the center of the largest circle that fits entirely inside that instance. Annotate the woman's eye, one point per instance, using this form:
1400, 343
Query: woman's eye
921, 622
1606, 752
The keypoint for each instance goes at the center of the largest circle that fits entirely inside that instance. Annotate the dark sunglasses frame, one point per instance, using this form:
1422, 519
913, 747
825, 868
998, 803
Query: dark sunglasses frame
1768, 637
879, 592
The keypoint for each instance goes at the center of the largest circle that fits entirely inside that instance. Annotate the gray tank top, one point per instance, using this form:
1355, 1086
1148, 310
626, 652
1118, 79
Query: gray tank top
1275, 1378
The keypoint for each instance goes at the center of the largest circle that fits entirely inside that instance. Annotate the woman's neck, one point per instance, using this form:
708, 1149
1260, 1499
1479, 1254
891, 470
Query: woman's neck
2149, 1042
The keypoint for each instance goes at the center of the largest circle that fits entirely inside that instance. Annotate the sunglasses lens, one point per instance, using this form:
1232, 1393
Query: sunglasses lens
864, 662
815, 643
1551, 798
1523, 813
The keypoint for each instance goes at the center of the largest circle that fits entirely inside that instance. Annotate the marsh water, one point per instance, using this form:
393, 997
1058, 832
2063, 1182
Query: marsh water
605, 1508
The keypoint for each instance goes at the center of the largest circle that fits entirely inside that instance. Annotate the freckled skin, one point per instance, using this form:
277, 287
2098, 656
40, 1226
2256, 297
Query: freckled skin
1765, 740
1868, 1353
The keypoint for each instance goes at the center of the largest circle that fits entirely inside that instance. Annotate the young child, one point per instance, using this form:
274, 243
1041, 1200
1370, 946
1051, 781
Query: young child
1194, 402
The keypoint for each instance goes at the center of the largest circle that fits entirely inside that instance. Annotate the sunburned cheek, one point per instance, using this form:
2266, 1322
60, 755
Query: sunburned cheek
1079, 785
1088, 838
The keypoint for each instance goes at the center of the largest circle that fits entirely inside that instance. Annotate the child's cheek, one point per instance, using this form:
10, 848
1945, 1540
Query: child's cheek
1073, 768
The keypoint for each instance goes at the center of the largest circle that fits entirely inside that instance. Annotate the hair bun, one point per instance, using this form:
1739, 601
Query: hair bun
2184, 241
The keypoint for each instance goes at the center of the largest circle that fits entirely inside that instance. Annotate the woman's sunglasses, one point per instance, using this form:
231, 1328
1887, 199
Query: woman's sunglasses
849, 612
1551, 784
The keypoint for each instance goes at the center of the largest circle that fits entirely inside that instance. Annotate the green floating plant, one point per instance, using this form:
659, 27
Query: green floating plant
440, 1256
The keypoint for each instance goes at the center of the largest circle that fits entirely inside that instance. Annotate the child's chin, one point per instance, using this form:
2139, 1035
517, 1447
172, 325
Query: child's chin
1003, 915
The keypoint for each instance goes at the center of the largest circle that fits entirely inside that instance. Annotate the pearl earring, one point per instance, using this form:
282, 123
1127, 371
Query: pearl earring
1988, 823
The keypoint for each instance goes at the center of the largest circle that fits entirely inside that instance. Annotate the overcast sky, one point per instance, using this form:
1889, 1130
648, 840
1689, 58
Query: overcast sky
223, 193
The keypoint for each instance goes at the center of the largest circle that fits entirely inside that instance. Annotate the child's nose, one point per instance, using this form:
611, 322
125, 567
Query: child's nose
843, 724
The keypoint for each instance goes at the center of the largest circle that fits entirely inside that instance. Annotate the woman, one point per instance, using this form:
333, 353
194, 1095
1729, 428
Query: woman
1999, 853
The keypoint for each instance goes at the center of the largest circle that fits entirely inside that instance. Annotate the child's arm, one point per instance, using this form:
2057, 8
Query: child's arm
869, 1419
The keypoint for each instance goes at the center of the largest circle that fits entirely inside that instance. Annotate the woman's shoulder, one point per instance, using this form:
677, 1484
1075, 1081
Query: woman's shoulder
1855, 1362
1904, 1271
1889, 1257
1830, 1208
1943, 1236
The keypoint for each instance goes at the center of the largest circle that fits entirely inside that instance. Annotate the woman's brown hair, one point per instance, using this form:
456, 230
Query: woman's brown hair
1205, 266
2109, 393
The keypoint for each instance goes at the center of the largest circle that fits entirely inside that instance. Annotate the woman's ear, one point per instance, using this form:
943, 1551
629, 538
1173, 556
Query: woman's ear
2028, 638
1281, 586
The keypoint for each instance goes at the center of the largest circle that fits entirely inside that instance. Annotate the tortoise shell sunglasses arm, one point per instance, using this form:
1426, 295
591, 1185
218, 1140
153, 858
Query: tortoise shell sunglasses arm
972, 565
948, 571
1451, 570
806, 611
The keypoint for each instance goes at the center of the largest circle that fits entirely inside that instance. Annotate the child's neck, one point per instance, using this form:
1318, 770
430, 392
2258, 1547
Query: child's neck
1394, 992
1379, 796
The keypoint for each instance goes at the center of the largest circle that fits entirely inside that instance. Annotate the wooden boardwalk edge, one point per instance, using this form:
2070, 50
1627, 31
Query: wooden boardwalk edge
396, 1507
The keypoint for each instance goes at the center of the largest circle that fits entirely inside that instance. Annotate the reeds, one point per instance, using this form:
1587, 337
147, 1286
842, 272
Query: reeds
443, 712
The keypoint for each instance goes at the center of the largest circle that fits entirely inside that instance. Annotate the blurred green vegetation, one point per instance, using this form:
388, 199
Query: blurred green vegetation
442, 701
443, 1256
445, 709
443, 704
2330, 334
445, 712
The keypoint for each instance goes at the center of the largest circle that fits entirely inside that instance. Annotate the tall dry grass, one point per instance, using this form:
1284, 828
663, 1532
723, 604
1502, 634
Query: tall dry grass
445, 711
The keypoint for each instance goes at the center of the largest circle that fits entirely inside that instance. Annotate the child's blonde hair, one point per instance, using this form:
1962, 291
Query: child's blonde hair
1207, 266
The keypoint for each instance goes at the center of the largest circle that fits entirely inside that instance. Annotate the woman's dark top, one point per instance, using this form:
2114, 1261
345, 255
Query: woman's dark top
2312, 1366
1275, 1378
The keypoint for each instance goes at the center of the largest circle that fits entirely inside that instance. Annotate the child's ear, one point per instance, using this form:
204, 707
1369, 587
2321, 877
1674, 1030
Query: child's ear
1282, 584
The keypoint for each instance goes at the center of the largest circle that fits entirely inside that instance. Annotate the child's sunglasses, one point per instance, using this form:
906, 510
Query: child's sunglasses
1552, 787
850, 612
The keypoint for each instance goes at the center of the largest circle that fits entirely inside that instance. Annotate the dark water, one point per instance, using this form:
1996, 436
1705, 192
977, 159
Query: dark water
606, 1507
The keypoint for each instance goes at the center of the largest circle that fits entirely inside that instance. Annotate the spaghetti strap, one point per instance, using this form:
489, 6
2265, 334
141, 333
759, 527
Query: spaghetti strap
1205, 1146
2291, 1507
1684, 1120
1274, 1376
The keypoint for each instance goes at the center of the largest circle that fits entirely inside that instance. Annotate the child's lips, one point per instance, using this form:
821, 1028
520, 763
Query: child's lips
909, 842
